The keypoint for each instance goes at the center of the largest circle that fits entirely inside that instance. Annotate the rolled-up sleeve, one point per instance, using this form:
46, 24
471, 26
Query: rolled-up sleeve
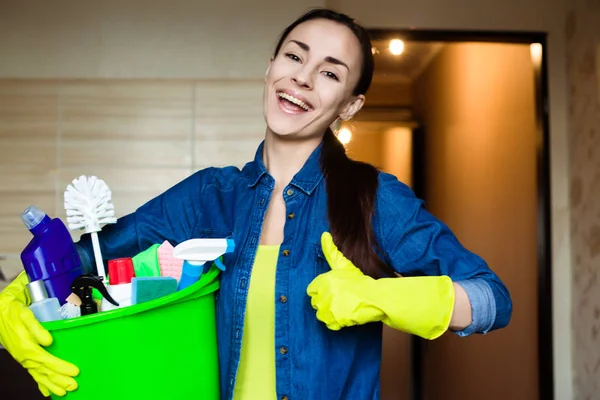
415, 243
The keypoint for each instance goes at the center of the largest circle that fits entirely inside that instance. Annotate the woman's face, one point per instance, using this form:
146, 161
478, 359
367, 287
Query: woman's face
310, 81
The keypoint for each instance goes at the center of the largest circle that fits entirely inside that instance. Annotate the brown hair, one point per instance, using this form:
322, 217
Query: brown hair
351, 185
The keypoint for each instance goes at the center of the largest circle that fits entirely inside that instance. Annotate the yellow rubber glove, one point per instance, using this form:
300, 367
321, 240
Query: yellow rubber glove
21, 334
345, 296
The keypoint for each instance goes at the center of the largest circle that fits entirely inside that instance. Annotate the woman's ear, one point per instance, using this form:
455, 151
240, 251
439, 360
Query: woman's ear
352, 108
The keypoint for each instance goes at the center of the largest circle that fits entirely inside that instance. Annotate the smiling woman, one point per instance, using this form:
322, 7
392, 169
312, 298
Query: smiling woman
321, 240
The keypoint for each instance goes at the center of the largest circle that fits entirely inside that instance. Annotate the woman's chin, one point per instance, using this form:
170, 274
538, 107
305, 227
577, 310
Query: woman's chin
281, 129
284, 130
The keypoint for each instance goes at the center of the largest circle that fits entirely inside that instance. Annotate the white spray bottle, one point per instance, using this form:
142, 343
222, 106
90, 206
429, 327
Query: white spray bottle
196, 253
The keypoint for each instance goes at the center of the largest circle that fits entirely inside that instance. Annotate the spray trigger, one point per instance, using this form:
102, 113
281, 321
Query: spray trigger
82, 287
219, 263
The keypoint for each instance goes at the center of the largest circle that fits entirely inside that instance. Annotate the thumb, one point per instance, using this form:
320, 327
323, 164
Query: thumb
335, 258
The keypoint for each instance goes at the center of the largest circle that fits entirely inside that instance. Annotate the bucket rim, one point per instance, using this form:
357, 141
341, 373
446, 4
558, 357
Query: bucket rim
207, 284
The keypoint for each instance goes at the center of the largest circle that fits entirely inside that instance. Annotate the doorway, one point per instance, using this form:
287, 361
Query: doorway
461, 118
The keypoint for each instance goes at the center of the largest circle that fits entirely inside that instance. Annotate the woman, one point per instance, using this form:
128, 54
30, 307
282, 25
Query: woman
296, 317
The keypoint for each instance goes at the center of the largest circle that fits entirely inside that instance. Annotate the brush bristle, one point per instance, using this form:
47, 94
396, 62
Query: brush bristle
88, 204
69, 310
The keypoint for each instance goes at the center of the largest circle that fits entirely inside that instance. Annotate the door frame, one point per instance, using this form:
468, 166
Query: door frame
544, 227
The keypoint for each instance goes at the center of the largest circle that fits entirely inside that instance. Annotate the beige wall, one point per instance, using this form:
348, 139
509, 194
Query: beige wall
141, 38
583, 35
477, 105
182, 39
140, 136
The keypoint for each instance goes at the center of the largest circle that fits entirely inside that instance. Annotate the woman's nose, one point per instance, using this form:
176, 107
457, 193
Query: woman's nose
303, 78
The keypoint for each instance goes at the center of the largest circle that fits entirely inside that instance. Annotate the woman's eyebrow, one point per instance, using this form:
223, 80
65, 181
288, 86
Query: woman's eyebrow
329, 59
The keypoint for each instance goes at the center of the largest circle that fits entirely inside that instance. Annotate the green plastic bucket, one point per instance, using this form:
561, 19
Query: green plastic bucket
161, 349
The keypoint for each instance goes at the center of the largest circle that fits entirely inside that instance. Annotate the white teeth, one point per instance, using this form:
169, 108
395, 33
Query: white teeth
294, 100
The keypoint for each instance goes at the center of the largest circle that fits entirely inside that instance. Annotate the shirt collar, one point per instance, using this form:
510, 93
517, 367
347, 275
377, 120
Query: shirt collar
307, 179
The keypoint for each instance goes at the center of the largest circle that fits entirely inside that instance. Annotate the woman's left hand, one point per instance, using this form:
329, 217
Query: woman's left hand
344, 297
341, 296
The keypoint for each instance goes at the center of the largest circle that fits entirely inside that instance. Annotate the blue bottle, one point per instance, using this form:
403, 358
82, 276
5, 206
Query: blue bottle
51, 255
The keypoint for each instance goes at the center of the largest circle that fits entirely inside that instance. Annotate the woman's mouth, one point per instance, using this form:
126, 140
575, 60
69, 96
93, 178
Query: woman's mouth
291, 104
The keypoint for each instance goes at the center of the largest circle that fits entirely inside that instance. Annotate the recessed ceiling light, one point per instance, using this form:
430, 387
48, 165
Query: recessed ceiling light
396, 47
536, 50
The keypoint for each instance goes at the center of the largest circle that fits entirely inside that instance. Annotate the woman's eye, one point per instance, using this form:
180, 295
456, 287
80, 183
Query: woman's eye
331, 75
292, 56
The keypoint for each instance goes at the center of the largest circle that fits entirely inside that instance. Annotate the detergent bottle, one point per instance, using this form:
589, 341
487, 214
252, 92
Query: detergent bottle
50, 255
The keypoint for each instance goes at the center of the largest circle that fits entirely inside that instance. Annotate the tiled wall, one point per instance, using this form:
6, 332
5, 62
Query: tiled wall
583, 36
141, 137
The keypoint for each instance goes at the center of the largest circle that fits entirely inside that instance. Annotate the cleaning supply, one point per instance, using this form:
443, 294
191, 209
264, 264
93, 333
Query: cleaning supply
89, 206
344, 297
145, 263
23, 337
196, 252
120, 272
169, 265
72, 308
43, 307
82, 287
150, 288
160, 349
50, 255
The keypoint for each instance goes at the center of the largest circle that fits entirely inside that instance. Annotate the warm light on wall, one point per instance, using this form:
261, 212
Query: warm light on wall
344, 135
536, 51
396, 47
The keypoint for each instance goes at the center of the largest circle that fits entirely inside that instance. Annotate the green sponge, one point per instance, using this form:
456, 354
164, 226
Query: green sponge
150, 288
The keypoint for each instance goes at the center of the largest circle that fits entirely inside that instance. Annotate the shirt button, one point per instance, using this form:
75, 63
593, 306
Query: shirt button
286, 252
290, 192
283, 350
283, 299
291, 215
284, 398
262, 202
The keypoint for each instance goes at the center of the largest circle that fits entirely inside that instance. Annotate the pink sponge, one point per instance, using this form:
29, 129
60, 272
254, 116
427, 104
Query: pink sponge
169, 265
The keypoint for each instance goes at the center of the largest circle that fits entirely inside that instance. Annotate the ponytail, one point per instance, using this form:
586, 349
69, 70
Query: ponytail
351, 191
351, 185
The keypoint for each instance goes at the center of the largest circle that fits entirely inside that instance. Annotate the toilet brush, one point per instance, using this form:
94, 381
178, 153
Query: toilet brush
89, 207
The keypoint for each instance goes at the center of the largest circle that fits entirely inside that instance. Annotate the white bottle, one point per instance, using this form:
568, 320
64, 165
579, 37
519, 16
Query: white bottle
44, 308
120, 293
120, 272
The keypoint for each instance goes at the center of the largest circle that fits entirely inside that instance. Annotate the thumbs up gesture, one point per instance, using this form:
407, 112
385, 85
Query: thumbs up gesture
344, 297
341, 296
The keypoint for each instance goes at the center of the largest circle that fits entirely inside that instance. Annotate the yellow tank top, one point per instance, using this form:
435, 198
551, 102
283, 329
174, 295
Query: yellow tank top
256, 373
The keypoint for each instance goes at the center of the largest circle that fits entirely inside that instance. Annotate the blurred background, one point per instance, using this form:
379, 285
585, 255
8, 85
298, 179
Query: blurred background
497, 135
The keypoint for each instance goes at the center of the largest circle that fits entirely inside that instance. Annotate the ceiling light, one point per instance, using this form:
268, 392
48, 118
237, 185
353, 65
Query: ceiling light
396, 47
536, 52
344, 135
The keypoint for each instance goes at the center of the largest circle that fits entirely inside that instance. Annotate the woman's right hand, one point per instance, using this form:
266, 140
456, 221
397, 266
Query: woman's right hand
23, 336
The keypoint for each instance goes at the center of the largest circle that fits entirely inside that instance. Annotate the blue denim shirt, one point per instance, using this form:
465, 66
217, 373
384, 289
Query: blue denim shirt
312, 362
